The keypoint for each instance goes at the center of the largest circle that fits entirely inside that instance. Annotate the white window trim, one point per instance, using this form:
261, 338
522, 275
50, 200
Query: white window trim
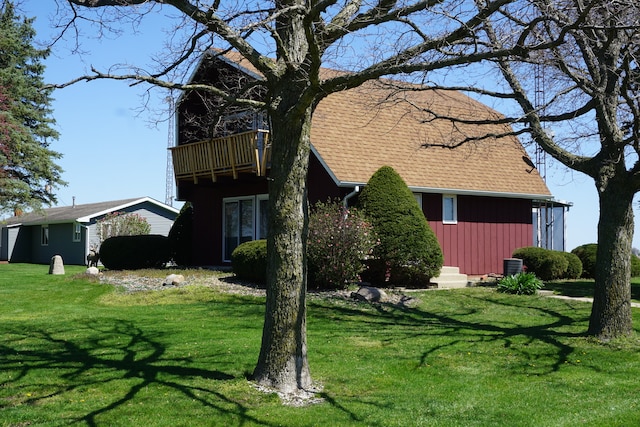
44, 235
454, 220
77, 232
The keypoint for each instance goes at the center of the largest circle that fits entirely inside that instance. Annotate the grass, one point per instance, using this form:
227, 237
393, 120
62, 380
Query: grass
76, 352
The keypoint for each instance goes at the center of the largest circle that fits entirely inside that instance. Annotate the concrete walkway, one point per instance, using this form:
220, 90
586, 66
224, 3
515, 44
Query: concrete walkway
550, 294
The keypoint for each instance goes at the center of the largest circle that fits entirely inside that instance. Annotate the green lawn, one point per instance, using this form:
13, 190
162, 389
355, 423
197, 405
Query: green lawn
75, 352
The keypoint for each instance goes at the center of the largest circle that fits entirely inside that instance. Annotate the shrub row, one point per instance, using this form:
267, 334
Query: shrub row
587, 254
549, 264
135, 252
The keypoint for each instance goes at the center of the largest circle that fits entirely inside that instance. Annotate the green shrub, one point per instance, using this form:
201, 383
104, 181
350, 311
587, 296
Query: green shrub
135, 252
635, 266
409, 253
249, 261
544, 263
339, 240
121, 224
587, 254
181, 236
574, 267
520, 284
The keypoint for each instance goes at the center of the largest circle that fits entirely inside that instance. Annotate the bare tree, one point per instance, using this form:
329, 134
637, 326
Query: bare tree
580, 102
288, 41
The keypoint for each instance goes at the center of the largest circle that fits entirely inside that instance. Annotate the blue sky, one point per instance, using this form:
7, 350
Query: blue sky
115, 148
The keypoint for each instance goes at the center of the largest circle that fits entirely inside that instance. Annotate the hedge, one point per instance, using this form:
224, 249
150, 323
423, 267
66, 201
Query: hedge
135, 252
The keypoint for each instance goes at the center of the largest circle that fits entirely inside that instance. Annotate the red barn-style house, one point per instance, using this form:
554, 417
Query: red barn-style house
481, 199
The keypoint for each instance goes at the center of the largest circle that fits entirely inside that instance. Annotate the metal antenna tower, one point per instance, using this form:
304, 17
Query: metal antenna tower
170, 183
540, 105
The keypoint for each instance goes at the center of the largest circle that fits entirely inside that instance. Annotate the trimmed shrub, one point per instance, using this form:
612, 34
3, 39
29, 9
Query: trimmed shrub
587, 255
135, 252
340, 239
181, 236
409, 253
574, 268
249, 261
544, 263
520, 284
635, 266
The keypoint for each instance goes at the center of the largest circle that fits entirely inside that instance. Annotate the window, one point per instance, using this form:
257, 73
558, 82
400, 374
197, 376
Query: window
44, 235
244, 121
244, 219
449, 209
77, 232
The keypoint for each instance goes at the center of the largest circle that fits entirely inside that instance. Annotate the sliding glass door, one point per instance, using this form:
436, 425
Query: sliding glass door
244, 220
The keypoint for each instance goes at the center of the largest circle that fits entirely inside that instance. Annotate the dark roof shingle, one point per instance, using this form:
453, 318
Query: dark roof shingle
68, 213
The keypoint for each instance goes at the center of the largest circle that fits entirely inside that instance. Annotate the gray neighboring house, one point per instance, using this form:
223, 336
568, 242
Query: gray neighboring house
69, 231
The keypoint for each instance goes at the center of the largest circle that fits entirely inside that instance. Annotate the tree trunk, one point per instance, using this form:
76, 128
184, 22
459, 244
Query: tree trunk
611, 311
282, 363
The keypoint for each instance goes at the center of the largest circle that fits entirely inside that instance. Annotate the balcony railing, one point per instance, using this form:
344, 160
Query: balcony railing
226, 156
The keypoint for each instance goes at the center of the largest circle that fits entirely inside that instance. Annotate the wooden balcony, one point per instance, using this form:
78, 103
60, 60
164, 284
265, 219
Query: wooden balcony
226, 156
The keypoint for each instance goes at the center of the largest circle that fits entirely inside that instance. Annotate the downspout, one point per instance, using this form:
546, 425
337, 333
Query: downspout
355, 191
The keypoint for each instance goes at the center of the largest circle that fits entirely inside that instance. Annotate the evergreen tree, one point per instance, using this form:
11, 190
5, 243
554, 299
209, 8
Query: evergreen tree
409, 253
28, 173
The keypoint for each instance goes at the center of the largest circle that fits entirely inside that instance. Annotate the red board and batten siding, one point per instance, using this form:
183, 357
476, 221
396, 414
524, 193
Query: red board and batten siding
487, 231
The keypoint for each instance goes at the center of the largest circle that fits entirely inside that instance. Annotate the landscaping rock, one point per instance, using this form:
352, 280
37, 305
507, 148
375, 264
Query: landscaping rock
369, 294
173, 280
56, 266
92, 271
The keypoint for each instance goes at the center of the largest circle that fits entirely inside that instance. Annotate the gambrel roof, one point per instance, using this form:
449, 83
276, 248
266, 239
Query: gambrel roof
356, 131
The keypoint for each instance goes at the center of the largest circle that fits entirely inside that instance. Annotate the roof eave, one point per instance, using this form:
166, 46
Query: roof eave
463, 192
88, 218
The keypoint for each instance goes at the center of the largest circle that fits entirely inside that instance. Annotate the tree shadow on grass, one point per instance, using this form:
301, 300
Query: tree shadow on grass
553, 328
538, 346
110, 351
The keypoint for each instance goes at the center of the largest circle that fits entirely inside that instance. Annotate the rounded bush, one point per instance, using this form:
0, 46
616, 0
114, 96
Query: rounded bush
181, 236
249, 261
544, 263
587, 255
635, 266
574, 268
408, 253
135, 252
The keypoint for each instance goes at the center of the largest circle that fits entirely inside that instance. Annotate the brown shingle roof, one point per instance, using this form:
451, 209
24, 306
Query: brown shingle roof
354, 133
